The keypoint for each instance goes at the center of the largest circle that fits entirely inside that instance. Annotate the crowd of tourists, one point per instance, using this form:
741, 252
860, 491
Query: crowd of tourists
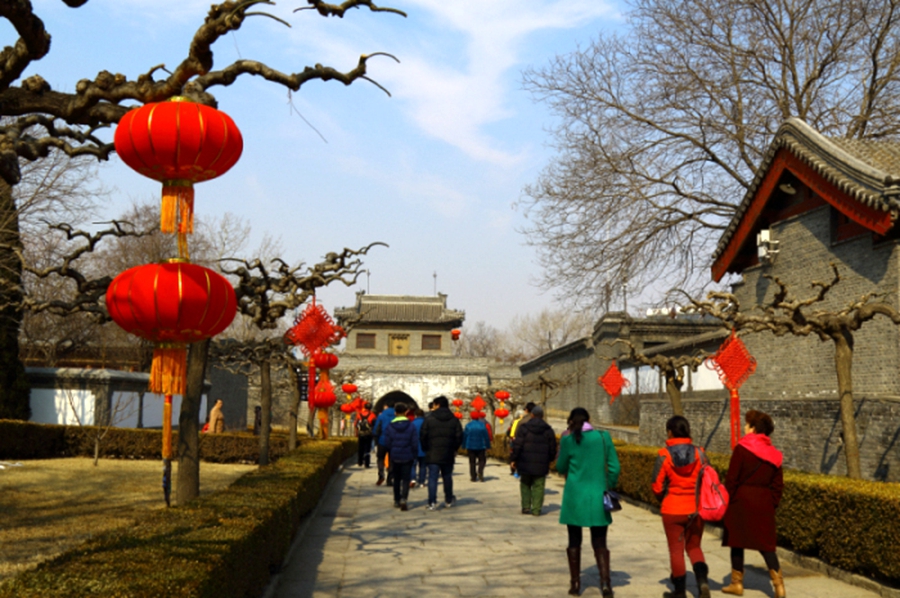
410, 442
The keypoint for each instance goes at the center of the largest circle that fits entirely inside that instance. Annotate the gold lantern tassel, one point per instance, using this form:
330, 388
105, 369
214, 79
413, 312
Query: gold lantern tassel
167, 428
168, 374
177, 201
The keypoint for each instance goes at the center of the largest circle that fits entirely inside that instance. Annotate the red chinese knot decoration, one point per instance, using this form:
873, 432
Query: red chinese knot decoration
613, 382
179, 143
734, 364
313, 330
478, 403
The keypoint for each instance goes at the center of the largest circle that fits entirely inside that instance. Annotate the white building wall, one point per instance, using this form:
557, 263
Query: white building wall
62, 406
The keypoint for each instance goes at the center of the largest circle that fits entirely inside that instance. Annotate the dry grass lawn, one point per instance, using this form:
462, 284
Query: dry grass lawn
48, 506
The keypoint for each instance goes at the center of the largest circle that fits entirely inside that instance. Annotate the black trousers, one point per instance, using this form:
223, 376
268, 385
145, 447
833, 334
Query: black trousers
477, 458
362, 453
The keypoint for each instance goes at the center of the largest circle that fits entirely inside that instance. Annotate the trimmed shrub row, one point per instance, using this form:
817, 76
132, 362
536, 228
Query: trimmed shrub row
27, 440
851, 524
222, 545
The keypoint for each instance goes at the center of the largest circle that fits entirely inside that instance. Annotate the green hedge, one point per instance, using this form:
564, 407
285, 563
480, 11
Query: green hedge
851, 524
222, 545
27, 440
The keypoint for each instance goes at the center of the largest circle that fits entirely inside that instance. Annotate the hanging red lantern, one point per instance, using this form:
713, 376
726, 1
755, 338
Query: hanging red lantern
457, 403
454, 334
171, 304
458, 415
347, 408
501, 395
324, 395
179, 143
349, 388
501, 413
477, 414
325, 361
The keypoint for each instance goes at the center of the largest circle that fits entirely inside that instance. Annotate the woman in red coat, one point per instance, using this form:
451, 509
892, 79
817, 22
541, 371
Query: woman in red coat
754, 483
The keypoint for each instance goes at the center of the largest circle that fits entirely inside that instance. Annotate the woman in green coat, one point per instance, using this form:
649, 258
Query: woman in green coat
589, 462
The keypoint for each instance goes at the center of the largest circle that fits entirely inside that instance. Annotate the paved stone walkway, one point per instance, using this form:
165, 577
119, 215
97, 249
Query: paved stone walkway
357, 545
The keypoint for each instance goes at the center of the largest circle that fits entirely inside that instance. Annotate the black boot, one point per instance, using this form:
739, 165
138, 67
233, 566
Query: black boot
679, 583
574, 555
602, 556
701, 572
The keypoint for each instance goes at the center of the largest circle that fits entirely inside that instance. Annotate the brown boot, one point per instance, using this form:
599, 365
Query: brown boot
602, 556
777, 583
736, 586
574, 555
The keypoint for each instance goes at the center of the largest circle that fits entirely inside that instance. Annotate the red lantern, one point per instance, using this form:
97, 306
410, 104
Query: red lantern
477, 414
454, 334
458, 415
324, 396
502, 412
457, 403
171, 304
179, 143
325, 361
349, 388
501, 395
347, 408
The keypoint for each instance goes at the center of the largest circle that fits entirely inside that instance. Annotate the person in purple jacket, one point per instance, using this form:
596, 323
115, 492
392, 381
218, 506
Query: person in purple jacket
402, 444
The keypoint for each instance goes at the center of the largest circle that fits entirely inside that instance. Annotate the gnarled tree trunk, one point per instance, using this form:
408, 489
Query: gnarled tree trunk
843, 364
14, 389
293, 417
265, 401
187, 482
673, 388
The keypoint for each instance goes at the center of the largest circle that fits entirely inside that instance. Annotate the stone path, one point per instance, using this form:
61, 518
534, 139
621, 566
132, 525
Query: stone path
357, 545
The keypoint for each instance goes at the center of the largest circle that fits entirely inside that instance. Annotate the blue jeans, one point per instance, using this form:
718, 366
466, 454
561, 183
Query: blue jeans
418, 471
446, 471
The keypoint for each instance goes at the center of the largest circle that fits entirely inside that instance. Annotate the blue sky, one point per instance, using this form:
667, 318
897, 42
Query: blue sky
433, 170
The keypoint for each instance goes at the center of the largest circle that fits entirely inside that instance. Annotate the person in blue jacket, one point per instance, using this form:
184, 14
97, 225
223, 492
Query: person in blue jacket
380, 434
418, 470
477, 439
402, 443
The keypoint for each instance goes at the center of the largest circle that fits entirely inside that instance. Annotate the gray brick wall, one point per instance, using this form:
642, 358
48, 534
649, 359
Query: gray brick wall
807, 431
792, 367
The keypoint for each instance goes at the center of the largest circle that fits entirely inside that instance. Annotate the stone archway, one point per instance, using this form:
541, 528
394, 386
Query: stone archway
392, 397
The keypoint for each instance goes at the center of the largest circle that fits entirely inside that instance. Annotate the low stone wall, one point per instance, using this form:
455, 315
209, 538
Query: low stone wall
808, 431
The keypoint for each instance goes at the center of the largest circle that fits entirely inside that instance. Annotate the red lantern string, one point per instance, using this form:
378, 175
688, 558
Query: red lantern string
734, 365
613, 382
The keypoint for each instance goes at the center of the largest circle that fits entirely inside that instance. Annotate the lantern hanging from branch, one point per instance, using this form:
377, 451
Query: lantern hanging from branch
734, 364
454, 334
502, 411
313, 331
171, 304
324, 393
179, 143
613, 382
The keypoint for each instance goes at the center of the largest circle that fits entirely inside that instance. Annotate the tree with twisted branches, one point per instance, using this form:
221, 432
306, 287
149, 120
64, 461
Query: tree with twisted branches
662, 128
672, 367
265, 296
40, 121
785, 314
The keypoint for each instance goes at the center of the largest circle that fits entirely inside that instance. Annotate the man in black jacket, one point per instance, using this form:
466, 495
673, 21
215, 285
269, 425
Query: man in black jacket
533, 449
440, 438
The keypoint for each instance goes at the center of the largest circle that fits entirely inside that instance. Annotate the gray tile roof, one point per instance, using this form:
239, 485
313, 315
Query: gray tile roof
404, 309
865, 169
